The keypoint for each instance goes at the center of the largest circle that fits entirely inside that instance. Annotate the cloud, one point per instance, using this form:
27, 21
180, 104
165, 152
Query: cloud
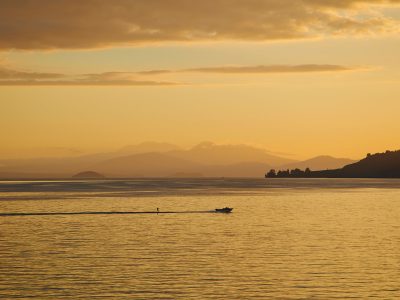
273, 69
9, 74
260, 69
9, 77
76, 24
85, 83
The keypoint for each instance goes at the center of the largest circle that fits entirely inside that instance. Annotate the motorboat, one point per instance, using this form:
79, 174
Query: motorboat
224, 210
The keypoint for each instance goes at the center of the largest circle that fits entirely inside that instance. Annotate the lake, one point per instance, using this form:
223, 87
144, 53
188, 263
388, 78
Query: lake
286, 239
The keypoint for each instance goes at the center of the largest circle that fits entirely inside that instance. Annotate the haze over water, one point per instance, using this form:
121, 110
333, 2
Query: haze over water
286, 239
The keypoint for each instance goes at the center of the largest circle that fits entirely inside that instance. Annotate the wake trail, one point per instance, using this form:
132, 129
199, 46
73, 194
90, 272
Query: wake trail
22, 214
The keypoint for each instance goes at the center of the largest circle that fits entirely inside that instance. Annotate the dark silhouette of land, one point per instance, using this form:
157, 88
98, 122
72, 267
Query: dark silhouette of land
379, 165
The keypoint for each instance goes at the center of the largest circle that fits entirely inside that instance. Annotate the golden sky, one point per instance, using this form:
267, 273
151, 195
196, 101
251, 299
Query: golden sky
304, 77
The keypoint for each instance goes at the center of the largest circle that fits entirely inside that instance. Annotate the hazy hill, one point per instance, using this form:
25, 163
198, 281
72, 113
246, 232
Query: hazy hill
164, 165
151, 159
146, 165
322, 162
147, 147
63, 167
213, 154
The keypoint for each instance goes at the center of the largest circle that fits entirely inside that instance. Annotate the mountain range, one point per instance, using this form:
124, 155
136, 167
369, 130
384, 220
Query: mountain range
322, 162
152, 159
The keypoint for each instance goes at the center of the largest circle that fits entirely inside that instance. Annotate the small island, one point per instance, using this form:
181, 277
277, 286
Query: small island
88, 175
379, 165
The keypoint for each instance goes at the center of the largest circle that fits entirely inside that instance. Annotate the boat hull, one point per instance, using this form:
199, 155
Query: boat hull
225, 210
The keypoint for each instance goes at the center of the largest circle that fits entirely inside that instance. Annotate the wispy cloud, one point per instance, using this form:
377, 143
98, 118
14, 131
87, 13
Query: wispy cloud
259, 69
74, 24
262, 69
85, 83
10, 74
10, 77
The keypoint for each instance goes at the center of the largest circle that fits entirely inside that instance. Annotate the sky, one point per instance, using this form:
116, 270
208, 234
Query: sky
305, 78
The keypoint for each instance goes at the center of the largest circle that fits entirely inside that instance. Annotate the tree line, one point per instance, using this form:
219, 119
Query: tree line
288, 173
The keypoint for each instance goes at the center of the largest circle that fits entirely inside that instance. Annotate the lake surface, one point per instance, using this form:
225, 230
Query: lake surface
286, 239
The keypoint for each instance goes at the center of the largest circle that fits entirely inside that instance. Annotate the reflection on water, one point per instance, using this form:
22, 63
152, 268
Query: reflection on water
296, 243
25, 190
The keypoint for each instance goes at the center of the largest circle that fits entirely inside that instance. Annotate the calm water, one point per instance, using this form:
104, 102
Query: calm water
286, 239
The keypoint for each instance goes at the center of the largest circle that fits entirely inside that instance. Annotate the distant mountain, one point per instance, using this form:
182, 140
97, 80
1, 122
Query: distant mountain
146, 165
164, 165
88, 175
214, 154
147, 147
322, 162
153, 159
379, 165
44, 167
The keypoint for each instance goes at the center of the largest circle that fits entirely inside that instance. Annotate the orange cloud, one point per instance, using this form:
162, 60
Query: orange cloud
9, 74
84, 83
74, 24
10, 77
273, 69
